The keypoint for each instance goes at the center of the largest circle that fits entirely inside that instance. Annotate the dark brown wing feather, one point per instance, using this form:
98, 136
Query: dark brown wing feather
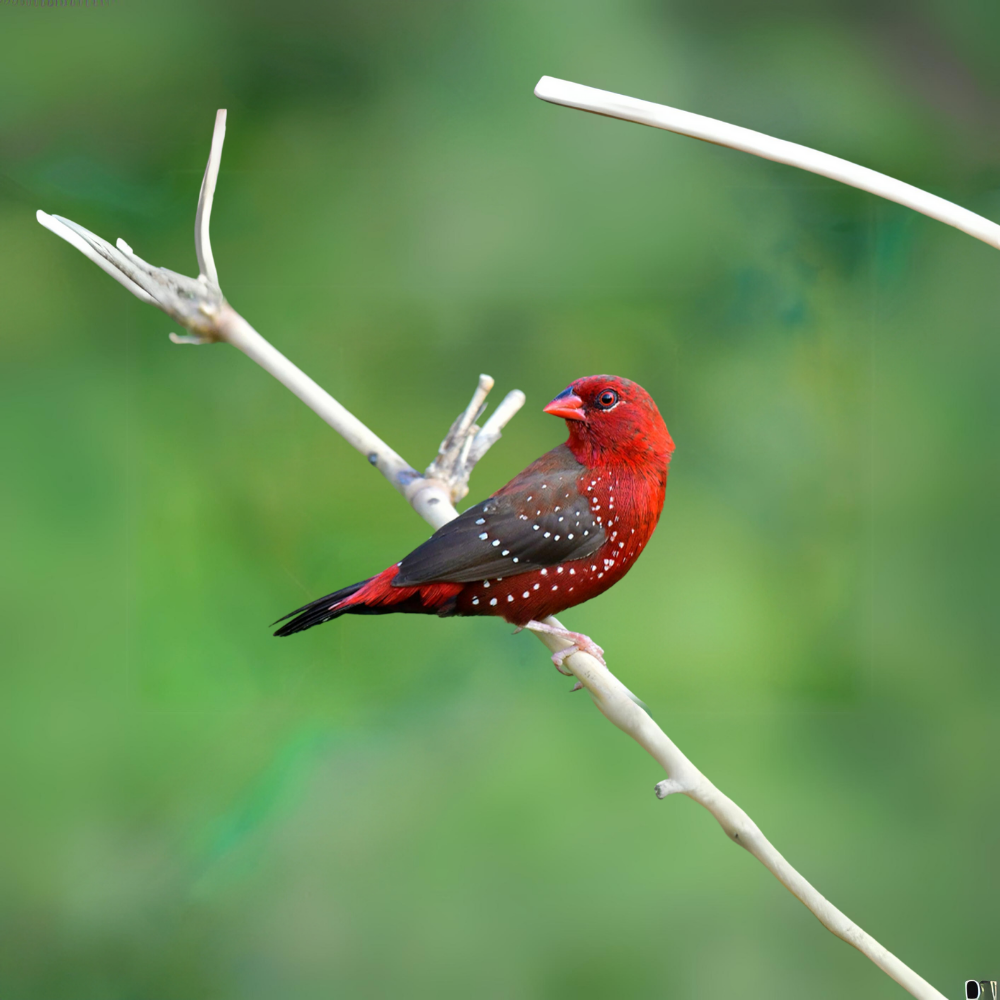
537, 520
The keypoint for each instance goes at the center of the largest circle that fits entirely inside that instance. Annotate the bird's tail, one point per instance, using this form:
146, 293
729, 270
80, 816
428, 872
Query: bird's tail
375, 596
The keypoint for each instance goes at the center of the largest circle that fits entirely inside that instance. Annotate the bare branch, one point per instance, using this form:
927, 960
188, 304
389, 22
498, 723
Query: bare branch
203, 217
95, 248
603, 102
193, 302
616, 703
198, 304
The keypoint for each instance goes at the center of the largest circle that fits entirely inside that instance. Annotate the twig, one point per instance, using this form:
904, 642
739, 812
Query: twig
203, 217
198, 304
617, 705
603, 102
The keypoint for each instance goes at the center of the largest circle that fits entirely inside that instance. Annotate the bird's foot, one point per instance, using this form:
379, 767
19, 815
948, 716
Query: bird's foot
580, 644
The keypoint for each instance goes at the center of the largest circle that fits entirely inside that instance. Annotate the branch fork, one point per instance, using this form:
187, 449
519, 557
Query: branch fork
200, 307
466, 442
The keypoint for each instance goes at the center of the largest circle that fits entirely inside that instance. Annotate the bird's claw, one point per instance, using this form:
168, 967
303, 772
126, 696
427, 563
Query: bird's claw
581, 644
557, 659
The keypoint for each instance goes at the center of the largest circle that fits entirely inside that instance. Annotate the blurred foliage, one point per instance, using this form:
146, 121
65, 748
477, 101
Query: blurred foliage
408, 807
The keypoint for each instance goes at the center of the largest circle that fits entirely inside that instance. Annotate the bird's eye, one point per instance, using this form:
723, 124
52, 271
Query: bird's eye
607, 399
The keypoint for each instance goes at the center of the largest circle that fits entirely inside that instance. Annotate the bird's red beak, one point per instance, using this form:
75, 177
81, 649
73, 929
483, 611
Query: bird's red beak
568, 405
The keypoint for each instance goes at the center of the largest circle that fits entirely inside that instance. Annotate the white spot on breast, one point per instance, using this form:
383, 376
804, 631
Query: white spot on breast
572, 572
599, 575
475, 600
554, 587
536, 586
621, 545
510, 597
545, 572
525, 594
493, 602
486, 583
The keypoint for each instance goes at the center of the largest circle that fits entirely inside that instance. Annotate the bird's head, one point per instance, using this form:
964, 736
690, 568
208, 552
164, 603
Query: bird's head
612, 416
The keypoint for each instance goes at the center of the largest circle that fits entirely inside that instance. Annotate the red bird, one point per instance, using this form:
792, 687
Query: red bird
567, 528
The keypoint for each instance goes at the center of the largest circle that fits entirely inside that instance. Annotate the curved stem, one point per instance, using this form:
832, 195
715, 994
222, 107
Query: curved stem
604, 102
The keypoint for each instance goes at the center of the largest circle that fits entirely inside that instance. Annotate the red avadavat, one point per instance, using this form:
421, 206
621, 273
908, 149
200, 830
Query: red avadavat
564, 530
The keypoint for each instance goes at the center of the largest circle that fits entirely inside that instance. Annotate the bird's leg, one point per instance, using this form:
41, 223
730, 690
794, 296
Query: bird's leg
581, 644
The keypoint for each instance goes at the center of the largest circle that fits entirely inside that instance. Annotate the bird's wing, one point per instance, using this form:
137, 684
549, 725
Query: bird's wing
538, 520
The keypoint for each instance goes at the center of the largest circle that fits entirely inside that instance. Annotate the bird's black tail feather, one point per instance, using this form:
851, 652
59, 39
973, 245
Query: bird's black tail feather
322, 610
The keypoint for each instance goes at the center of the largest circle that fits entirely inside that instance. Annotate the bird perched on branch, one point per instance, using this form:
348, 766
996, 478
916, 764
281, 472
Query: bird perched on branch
563, 531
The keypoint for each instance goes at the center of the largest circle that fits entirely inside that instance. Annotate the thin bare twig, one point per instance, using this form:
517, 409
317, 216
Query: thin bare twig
604, 102
198, 304
203, 217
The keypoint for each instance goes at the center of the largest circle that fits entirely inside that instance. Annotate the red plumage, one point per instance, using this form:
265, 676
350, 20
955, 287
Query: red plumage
564, 530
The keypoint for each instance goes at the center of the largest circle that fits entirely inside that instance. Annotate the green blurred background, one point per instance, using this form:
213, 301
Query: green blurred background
409, 807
